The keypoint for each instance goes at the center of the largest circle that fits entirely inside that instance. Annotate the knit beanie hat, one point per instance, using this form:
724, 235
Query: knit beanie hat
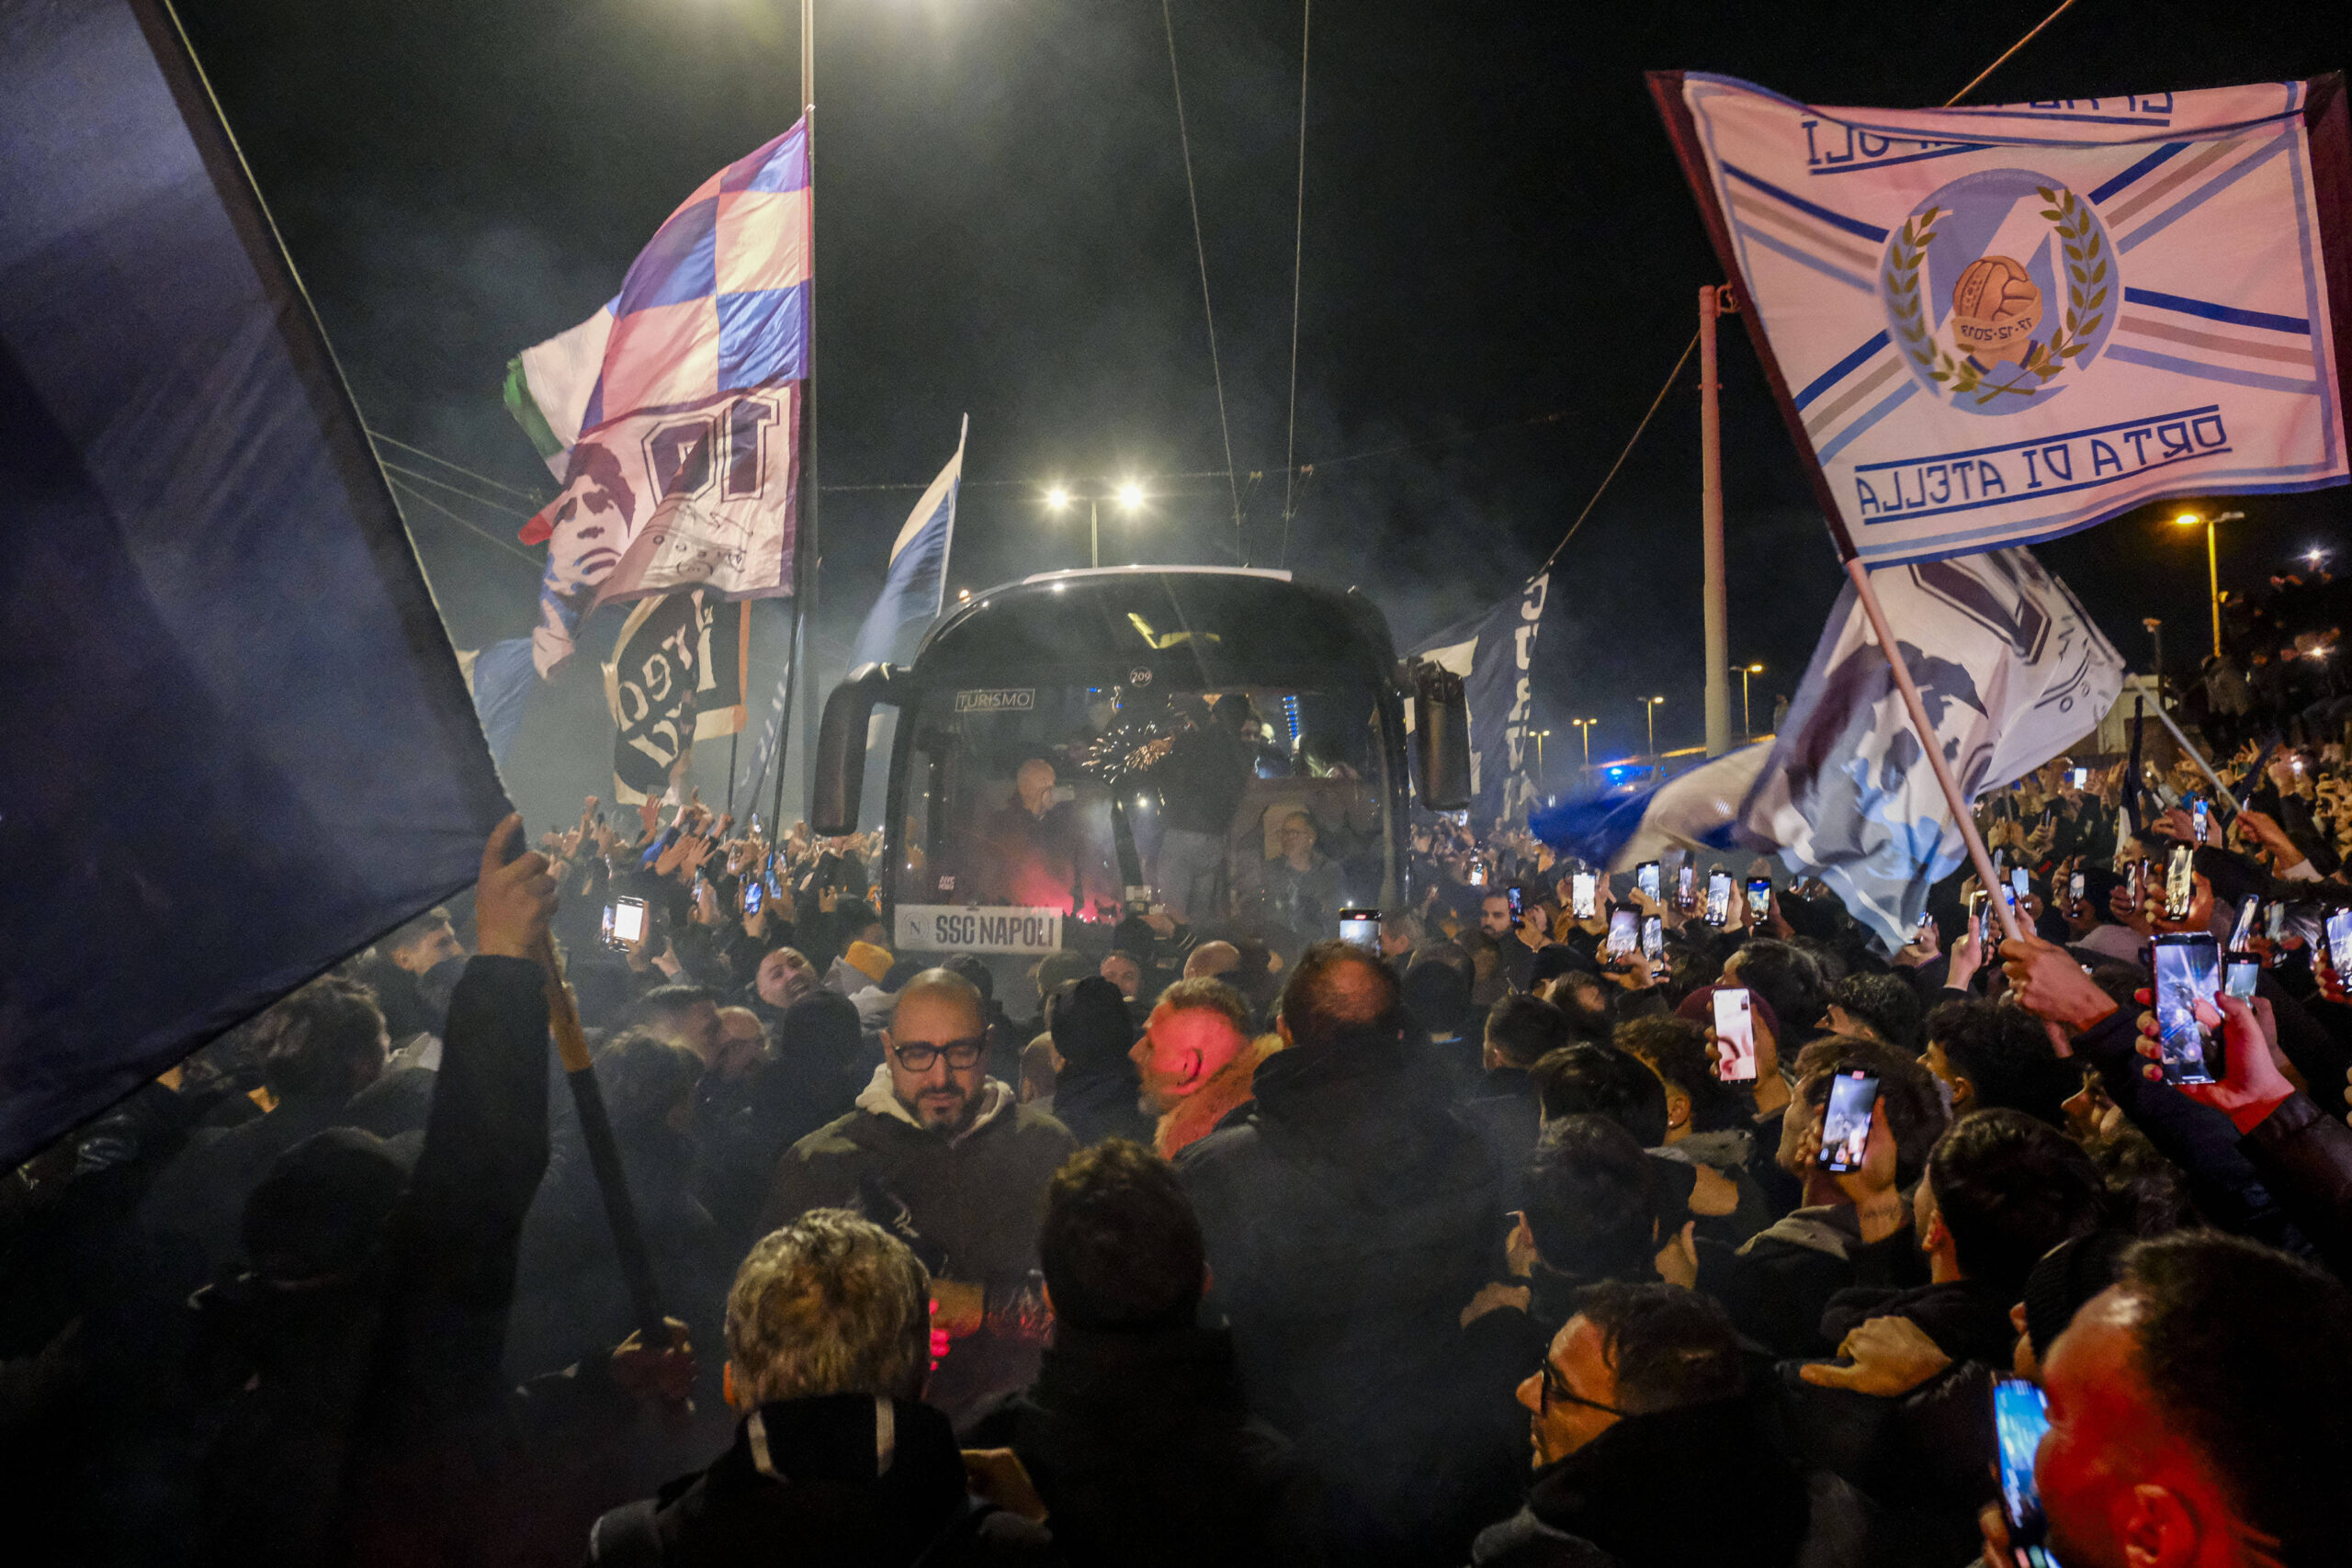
1092, 1026
868, 960
322, 1207
2068, 1275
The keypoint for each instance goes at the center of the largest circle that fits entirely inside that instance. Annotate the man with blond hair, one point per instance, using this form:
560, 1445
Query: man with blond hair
836, 1457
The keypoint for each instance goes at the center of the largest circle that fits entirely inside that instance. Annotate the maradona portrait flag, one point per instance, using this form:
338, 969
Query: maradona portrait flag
672, 415
1988, 326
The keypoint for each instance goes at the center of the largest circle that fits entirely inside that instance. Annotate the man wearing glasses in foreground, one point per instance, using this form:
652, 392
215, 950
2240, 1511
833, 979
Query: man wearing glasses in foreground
943, 1157
1648, 1447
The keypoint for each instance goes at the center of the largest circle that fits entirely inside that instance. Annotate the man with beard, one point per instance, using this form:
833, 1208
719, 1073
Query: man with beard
944, 1156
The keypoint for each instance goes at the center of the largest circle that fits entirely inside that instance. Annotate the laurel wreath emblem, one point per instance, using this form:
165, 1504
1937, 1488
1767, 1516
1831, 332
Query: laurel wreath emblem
2086, 287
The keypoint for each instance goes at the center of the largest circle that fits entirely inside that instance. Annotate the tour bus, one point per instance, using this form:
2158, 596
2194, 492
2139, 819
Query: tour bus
1223, 746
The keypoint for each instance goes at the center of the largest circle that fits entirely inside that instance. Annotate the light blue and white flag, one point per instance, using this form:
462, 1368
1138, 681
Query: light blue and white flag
2011, 672
916, 588
1990, 326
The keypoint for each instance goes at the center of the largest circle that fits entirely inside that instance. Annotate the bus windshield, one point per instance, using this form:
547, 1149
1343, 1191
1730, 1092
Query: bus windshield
1258, 810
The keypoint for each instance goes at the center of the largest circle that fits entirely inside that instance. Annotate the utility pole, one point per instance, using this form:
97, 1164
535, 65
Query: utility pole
1713, 301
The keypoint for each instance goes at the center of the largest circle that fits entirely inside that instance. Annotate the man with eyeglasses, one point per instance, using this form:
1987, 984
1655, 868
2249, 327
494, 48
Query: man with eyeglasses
1646, 1448
946, 1158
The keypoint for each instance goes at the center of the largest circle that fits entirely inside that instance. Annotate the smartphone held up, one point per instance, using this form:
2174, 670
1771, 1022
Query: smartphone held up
1735, 1034
1846, 1123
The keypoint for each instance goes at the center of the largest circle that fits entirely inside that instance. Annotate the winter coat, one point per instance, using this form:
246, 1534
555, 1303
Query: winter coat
1139, 1445
969, 1204
1349, 1218
1102, 1104
356, 1396
2305, 1157
1778, 1284
839, 1478
1697, 1487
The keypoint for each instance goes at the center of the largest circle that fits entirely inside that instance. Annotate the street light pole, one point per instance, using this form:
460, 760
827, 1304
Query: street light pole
1649, 715
1713, 301
2213, 562
1539, 736
1583, 730
1093, 532
1746, 725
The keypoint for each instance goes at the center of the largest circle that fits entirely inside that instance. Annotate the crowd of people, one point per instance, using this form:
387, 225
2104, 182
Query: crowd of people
2280, 660
1471, 1240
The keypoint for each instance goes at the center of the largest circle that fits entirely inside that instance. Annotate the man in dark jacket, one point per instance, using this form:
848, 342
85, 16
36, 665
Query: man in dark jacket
1135, 1433
836, 1459
363, 1345
1647, 1452
1854, 1228
1348, 1219
943, 1156
1097, 1094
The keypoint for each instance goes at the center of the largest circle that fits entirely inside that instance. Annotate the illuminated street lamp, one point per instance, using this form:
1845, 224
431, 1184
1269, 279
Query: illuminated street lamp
2212, 565
1584, 731
1129, 496
1649, 715
1539, 735
1743, 671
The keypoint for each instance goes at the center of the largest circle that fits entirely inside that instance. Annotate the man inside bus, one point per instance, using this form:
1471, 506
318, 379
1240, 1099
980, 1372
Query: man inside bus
1034, 845
1302, 883
1201, 785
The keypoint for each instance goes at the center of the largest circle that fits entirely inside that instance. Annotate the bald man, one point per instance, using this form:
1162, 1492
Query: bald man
1347, 1216
946, 1157
1211, 959
1196, 1059
1035, 853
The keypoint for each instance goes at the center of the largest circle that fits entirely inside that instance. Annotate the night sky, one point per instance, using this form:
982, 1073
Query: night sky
1500, 265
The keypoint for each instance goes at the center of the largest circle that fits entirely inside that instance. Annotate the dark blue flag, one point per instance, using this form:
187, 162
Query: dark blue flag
236, 744
1494, 656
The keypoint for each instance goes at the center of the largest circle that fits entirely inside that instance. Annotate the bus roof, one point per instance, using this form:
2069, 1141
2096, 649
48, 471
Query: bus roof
1199, 627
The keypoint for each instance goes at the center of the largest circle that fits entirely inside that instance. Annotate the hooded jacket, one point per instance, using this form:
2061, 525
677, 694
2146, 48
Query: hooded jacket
1140, 1445
969, 1204
839, 1478
1697, 1487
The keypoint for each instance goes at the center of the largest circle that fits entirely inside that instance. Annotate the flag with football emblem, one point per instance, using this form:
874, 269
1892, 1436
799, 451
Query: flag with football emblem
1989, 326
673, 416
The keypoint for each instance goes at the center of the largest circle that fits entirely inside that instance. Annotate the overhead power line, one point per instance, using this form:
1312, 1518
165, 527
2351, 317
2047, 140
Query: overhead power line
1193, 195
1298, 259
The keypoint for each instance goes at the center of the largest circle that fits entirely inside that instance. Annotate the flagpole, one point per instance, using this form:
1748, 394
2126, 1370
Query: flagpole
1859, 575
1714, 300
804, 541
2198, 758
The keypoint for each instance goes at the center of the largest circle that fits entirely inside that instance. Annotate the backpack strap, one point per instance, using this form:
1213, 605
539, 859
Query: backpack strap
625, 1538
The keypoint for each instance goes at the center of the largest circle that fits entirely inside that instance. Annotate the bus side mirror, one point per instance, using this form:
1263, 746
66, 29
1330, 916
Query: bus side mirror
841, 747
1442, 738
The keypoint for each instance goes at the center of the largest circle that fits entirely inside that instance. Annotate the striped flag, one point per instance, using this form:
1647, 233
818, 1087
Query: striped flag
672, 415
916, 587
2011, 671
1989, 326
